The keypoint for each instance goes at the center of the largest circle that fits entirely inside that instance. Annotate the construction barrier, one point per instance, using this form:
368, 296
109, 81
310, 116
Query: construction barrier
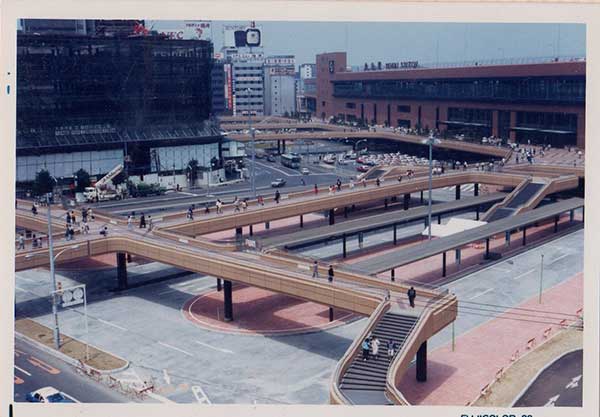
547, 332
515, 356
531, 344
499, 373
485, 390
563, 323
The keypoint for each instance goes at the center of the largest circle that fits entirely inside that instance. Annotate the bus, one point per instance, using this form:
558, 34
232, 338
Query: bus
291, 160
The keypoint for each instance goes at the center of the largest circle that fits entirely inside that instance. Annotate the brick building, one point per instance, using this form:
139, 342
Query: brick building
539, 102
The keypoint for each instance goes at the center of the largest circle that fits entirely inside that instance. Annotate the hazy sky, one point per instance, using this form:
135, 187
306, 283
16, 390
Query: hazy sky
423, 42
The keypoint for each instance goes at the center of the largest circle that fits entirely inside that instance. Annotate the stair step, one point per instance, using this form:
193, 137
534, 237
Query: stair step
363, 382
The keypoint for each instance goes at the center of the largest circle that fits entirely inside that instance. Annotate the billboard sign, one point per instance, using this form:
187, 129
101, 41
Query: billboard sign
185, 30
236, 36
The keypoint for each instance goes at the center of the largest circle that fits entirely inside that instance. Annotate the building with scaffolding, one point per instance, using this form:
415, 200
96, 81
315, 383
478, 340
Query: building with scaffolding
92, 102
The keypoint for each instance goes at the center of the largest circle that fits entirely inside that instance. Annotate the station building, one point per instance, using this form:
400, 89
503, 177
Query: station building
541, 102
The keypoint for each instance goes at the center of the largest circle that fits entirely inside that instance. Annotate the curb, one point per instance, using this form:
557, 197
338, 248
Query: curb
67, 358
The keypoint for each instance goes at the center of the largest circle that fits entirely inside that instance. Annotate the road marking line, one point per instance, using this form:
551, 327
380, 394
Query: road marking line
214, 348
506, 271
559, 258
112, 324
525, 273
278, 170
175, 348
482, 293
167, 291
22, 370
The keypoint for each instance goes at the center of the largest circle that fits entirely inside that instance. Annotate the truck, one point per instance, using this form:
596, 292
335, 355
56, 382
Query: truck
145, 190
104, 189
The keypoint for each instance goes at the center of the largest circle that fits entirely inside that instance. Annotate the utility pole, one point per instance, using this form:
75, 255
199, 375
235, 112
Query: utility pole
541, 278
53, 276
252, 166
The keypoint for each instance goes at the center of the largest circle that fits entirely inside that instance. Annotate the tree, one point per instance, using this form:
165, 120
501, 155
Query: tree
192, 170
82, 179
43, 183
286, 114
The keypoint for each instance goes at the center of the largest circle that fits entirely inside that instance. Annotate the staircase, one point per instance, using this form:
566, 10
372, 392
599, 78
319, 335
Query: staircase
364, 381
522, 197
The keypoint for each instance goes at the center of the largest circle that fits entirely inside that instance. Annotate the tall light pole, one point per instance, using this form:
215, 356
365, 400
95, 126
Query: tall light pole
430, 141
52, 275
252, 166
541, 279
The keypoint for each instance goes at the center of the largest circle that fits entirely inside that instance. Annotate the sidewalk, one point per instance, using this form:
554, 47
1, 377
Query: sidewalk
456, 378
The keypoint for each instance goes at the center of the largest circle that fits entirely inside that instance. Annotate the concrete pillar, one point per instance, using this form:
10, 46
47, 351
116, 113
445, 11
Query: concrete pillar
477, 213
512, 135
476, 190
406, 201
571, 215
330, 314
524, 235
278, 147
487, 248
393, 274
267, 225
228, 300
385, 203
555, 224
283, 146
495, 123
346, 212
421, 196
251, 230
121, 271
444, 264
457, 256
239, 235
219, 286
301, 220
422, 362
457, 192
439, 219
331, 217
344, 253
507, 237
395, 234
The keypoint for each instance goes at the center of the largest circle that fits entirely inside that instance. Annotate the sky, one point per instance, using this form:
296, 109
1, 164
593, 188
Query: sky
423, 42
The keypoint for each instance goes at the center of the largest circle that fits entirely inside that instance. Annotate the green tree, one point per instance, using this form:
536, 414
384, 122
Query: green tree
192, 170
43, 183
82, 179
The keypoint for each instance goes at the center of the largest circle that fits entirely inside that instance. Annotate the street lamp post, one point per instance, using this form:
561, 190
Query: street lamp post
430, 141
253, 166
52, 275
541, 279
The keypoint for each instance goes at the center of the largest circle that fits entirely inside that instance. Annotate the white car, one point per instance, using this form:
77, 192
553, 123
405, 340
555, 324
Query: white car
304, 171
49, 395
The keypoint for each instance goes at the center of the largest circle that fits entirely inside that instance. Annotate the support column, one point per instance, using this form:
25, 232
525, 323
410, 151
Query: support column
457, 256
239, 235
395, 235
228, 299
267, 225
330, 314
439, 219
345, 212
283, 146
393, 274
344, 253
219, 284
301, 220
278, 147
457, 192
406, 201
571, 215
487, 248
507, 237
385, 203
555, 224
331, 217
422, 362
444, 264
421, 196
476, 189
477, 213
121, 271
524, 235
251, 230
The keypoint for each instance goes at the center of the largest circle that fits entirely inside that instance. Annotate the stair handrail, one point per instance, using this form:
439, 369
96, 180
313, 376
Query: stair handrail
424, 315
548, 188
336, 395
488, 214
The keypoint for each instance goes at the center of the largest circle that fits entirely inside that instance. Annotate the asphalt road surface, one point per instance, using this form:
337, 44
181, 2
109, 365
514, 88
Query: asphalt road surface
35, 369
559, 385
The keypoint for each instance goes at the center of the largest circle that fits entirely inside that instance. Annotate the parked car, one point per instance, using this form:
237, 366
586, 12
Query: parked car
270, 158
279, 182
363, 168
49, 395
305, 171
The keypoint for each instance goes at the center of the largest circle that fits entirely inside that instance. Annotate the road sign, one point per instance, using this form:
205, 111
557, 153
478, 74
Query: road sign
72, 296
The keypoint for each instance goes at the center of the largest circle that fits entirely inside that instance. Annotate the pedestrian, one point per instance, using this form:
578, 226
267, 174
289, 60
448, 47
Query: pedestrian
261, 200
219, 205
86, 228
412, 294
330, 190
206, 208
400, 178
236, 205
365, 349
339, 184
150, 224
84, 214
129, 222
73, 219
316, 189
142, 221
245, 204
390, 348
190, 213
302, 182
351, 184
91, 214
330, 274
378, 182
364, 183
34, 209
68, 218
375, 347
22, 242
71, 233
315, 273
277, 196
104, 231
40, 242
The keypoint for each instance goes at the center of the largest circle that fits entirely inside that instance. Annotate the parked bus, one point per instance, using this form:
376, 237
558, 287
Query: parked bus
291, 160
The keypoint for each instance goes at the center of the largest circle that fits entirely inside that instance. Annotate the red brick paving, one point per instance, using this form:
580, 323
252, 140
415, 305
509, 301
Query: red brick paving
455, 378
261, 312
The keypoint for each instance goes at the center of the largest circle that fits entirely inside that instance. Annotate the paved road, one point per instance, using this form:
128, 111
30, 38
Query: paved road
35, 369
559, 385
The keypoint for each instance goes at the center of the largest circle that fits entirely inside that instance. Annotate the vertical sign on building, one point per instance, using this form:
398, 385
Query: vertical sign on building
229, 86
